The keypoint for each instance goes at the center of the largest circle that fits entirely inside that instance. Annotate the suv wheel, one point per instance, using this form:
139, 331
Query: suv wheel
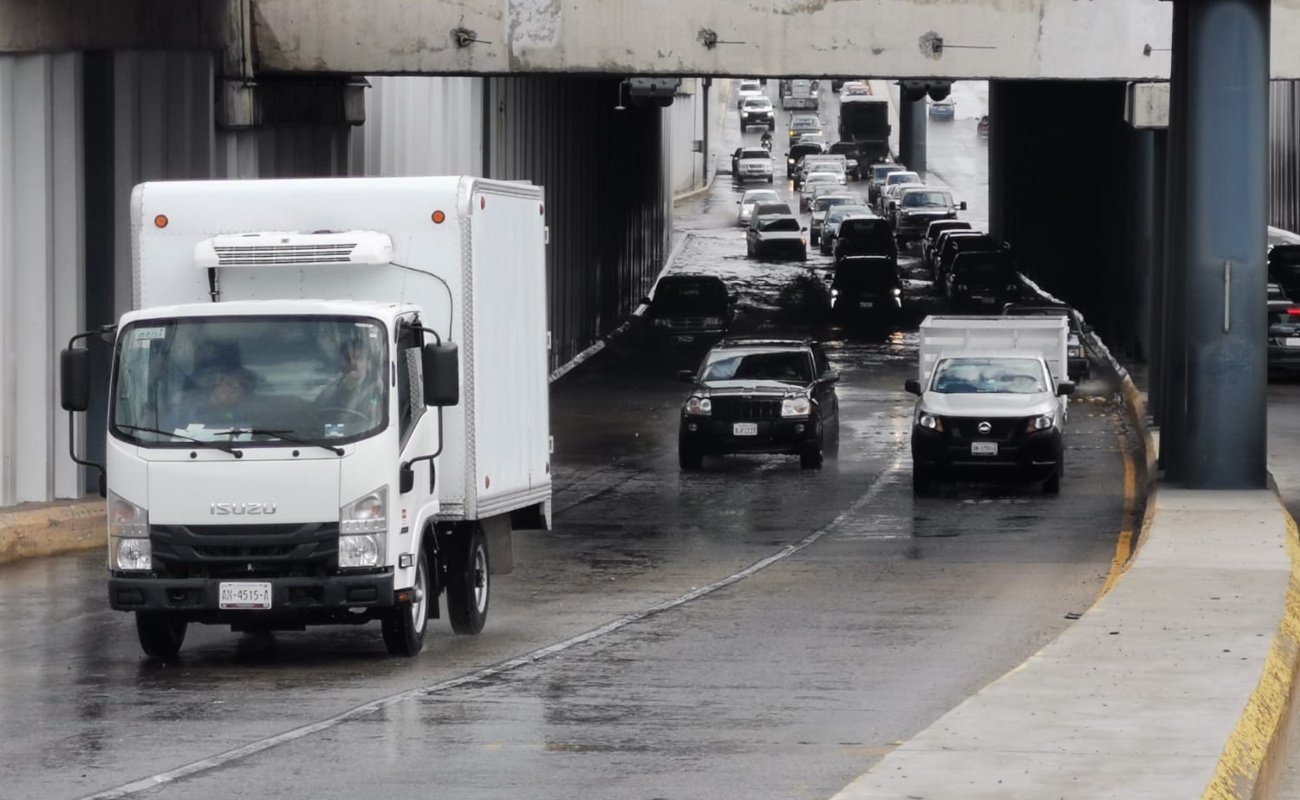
812, 457
689, 457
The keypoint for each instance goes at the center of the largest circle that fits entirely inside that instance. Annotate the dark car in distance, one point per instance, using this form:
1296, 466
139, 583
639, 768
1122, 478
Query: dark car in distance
776, 236
689, 308
866, 289
753, 396
982, 281
865, 236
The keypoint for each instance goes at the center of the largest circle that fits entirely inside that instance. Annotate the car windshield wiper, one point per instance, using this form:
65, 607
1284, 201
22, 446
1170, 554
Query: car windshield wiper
282, 435
215, 445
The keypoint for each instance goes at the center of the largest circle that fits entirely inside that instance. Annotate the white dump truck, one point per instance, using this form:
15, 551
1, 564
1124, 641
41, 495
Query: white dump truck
329, 406
992, 400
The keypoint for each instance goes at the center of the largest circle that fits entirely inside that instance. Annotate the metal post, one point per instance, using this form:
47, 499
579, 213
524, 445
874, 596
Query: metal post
1171, 414
1156, 274
911, 132
1225, 242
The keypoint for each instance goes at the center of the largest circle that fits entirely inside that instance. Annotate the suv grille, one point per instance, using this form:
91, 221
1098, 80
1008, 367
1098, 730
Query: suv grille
745, 409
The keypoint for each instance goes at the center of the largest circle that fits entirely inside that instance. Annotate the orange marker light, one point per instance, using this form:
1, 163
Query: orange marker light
438, 217
160, 221
482, 202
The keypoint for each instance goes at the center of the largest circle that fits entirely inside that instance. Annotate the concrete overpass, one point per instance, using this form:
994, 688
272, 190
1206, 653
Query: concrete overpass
93, 100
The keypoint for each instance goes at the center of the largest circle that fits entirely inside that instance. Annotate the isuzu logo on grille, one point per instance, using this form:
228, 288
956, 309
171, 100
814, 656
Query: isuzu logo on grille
250, 509
985, 427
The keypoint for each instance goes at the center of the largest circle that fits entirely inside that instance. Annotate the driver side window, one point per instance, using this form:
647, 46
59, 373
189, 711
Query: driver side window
410, 387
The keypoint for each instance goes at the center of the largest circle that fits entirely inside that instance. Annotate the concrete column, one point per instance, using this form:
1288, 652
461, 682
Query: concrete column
1171, 415
1156, 274
1225, 243
41, 290
911, 133
1146, 226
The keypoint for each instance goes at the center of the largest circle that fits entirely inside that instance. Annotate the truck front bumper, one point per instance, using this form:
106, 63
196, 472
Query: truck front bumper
1027, 456
324, 598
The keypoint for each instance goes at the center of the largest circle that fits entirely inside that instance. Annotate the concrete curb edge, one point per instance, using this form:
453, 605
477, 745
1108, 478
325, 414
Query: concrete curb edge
47, 529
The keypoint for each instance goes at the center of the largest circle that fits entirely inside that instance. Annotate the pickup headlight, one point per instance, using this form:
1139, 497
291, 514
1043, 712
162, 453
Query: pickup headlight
929, 422
796, 407
363, 531
1041, 423
699, 406
1073, 352
129, 548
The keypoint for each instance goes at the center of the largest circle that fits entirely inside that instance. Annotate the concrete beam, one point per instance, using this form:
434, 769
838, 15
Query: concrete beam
884, 38
1065, 39
44, 26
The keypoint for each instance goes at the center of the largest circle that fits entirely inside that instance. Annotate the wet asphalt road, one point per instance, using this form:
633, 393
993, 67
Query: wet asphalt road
875, 614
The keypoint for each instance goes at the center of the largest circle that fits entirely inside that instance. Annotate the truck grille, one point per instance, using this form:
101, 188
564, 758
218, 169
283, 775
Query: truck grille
245, 551
745, 409
968, 428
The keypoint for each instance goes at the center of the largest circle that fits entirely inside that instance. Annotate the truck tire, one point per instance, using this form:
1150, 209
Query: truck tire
161, 633
468, 583
404, 625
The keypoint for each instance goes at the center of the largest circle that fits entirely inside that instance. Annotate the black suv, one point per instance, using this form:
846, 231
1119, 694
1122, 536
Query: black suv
689, 308
760, 396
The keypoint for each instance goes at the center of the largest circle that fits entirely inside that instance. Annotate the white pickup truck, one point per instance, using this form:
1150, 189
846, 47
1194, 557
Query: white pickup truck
992, 400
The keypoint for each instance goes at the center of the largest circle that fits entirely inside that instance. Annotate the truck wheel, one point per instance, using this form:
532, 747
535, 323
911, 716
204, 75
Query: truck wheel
1053, 484
468, 584
161, 634
404, 625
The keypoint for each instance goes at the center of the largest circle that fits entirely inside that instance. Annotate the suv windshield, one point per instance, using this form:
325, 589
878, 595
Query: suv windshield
927, 200
791, 366
781, 225
805, 123
880, 173
250, 379
989, 376
760, 153
683, 295
758, 102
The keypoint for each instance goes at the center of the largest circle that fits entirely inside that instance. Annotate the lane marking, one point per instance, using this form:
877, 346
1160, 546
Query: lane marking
262, 745
1124, 547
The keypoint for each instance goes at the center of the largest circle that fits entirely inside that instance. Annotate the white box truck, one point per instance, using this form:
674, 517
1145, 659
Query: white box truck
991, 400
329, 406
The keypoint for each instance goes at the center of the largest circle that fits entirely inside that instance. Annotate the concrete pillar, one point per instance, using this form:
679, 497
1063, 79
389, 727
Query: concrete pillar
911, 133
1146, 226
1225, 243
41, 286
1156, 274
1171, 414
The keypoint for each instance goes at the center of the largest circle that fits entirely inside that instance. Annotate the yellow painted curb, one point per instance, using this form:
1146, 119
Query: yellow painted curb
48, 529
1257, 746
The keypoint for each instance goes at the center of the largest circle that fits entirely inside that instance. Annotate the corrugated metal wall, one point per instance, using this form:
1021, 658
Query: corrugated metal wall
1284, 155
422, 126
686, 119
609, 206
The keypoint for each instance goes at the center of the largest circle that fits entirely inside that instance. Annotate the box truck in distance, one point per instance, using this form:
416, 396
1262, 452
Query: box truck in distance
328, 406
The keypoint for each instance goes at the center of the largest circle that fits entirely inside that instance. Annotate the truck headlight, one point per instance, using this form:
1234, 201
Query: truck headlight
796, 407
929, 422
129, 548
363, 531
699, 406
1041, 423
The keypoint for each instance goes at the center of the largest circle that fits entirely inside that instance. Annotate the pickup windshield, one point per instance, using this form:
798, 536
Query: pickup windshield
989, 376
260, 381
927, 200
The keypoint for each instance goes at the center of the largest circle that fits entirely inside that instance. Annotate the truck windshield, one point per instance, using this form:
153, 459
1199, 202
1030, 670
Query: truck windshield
253, 380
989, 376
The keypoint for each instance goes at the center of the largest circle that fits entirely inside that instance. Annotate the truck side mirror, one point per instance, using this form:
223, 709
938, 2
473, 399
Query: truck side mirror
74, 379
963, 205
441, 374
913, 386
830, 376
1064, 389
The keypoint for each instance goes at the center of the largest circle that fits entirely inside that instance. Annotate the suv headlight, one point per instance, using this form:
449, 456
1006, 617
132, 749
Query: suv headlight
929, 422
363, 531
1073, 352
699, 406
129, 548
796, 407
1041, 423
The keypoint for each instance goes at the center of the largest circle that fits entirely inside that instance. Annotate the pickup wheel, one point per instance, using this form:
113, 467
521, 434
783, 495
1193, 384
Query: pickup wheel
468, 583
922, 486
404, 625
161, 633
689, 457
1053, 484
